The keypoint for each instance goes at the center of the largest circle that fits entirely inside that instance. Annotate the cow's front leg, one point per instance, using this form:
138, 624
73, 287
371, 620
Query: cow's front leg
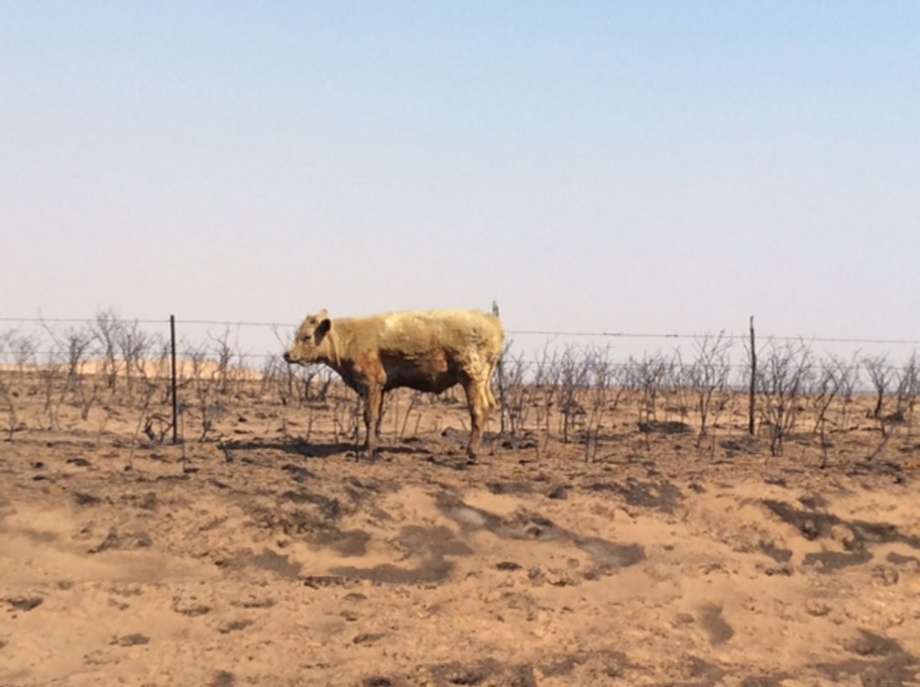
373, 403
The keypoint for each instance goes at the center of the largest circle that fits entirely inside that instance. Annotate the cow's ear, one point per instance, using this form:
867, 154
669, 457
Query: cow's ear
322, 328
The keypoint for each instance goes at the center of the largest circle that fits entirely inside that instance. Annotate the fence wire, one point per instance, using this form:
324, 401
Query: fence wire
512, 332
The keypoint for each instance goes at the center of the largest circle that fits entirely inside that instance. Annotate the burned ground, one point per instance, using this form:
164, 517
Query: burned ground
263, 557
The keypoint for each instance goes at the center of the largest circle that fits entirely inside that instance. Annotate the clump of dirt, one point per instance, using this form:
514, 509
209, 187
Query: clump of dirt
267, 560
344, 542
693, 671
716, 627
911, 562
507, 566
222, 678
859, 535
380, 681
234, 625
130, 640
828, 561
84, 499
24, 603
430, 544
509, 487
604, 663
467, 517
125, 542
667, 427
771, 680
317, 526
488, 671
325, 581
518, 442
430, 571
79, 462
258, 602
432, 541
525, 525
661, 495
871, 644
883, 662
814, 524
776, 553
191, 609
747, 445
609, 555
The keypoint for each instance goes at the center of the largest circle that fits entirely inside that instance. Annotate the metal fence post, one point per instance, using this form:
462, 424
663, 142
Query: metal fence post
175, 400
751, 400
501, 380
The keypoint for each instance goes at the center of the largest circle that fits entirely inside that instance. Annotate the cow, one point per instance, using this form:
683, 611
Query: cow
426, 350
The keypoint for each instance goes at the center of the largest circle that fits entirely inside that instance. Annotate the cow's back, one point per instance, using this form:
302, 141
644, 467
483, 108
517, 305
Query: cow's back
456, 333
425, 350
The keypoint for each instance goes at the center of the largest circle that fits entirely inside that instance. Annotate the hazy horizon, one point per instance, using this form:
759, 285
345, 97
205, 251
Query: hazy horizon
647, 167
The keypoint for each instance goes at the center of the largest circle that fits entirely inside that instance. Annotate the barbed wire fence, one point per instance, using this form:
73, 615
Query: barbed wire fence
43, 340
544, 333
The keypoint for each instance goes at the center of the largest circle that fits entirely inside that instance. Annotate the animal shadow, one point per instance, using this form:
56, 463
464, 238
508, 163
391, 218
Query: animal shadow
305, 449
297, 447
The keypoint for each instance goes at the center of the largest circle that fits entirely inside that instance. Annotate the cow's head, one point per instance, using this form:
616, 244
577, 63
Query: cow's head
310, 341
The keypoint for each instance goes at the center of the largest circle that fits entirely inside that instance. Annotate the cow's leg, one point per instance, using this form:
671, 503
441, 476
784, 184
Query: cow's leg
490, 370
372, 405
379, 415
477, 401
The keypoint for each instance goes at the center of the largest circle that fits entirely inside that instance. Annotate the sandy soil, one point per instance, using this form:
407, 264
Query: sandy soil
261, 559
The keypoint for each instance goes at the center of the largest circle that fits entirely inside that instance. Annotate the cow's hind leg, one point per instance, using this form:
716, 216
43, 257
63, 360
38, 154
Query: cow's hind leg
379, 420
490, 371
372, 406
478, 403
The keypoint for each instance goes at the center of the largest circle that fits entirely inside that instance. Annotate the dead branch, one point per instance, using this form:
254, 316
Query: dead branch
782, 378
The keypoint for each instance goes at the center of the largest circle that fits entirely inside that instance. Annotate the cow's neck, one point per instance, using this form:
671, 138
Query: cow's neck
332, 357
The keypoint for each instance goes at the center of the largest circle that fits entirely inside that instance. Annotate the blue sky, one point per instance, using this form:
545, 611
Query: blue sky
646, 166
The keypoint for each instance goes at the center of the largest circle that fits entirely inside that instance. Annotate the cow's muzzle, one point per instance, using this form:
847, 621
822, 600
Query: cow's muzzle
287, 357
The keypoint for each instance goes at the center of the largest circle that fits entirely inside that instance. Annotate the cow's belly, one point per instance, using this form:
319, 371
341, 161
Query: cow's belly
431, 373
421, 380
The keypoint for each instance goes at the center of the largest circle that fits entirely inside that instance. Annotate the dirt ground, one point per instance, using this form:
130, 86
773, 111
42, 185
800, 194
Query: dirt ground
263, 559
